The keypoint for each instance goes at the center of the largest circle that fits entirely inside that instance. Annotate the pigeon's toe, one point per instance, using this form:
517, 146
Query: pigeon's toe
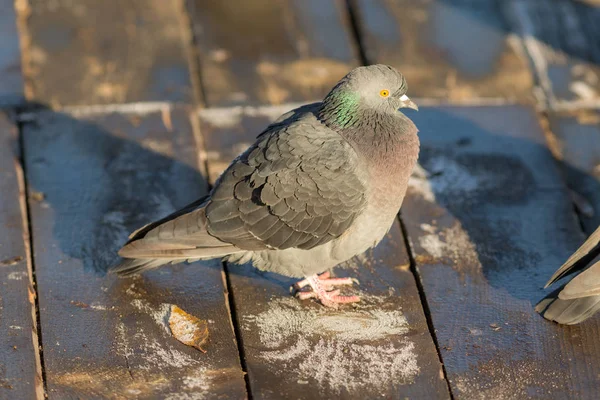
322, 289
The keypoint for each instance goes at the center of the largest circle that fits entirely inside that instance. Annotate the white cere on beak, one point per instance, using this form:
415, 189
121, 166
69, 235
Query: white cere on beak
404, 97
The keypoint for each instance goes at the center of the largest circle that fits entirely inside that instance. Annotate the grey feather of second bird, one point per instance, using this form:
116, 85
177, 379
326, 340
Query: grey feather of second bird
578, 299
320, 185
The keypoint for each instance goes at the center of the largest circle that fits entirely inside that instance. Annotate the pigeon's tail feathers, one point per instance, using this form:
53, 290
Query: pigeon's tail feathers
133, 266
567, 312
143, 255
140, 260
178, 237
147, 249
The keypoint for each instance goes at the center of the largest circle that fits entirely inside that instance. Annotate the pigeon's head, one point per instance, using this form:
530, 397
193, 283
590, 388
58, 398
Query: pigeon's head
380, 86
375, 86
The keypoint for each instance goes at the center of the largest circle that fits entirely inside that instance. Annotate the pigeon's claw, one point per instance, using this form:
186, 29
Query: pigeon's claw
326, 281
322, 289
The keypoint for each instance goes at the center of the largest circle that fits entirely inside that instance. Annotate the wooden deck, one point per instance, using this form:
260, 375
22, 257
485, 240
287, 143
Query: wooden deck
116, 112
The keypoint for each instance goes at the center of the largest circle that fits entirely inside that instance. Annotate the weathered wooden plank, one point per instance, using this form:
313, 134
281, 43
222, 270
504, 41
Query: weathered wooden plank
270, 52
379, 348
11, 84
452, 49
490, 225
561, 37
20, 372
576, 140
112, 51
98, 178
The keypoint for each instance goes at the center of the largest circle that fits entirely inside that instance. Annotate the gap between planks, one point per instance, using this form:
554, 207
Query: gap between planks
36, 332
424, 302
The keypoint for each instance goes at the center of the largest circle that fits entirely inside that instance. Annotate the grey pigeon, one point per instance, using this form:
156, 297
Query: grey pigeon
320, 185
578, 299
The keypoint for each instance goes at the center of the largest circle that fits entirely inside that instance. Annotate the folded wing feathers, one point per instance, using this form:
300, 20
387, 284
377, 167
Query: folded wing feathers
296, 187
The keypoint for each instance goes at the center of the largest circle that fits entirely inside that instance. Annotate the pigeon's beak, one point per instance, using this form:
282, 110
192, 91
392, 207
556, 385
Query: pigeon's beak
406, 102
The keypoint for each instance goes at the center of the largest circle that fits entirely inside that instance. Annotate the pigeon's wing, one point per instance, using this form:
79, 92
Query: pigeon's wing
588, 250
585, 284
299, 185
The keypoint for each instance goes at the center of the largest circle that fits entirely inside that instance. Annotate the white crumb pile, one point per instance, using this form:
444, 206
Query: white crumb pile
339, 350
17, 275
443, 174
161, 354
159, 315
452, 176
452, 242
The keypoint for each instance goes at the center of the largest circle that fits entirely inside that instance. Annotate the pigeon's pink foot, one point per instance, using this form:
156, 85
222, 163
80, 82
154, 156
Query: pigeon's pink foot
322, 286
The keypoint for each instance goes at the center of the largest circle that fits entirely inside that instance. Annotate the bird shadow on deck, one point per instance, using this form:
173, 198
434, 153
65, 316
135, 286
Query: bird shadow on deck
103, 184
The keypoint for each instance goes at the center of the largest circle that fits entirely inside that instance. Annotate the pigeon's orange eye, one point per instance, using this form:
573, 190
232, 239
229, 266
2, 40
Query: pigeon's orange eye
384, 93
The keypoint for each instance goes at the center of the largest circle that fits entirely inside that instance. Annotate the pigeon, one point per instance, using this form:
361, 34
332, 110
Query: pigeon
320, 185
578, 299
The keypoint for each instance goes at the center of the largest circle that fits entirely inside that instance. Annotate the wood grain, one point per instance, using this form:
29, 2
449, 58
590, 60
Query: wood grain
11, 81
380, 348
487, 229
270, 52
456, 50
576, 139
20, 372
90, 52
100, 177
561, 37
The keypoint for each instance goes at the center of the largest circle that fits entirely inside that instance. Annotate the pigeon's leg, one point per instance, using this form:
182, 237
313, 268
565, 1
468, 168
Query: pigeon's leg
327, 282
319, 290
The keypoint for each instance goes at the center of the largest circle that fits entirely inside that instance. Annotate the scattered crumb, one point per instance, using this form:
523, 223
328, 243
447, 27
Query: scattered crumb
339, 350
79, 304
160, 356
188, 329
17, 275
160, 315
185, 396
447, 174
93, 306
452, 242
11, 261
517, 380
421, 187
443, 174
37, 196
153, 353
